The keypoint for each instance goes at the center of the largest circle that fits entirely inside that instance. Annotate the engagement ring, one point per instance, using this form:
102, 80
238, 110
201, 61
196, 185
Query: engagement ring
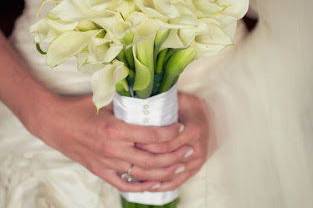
127, 176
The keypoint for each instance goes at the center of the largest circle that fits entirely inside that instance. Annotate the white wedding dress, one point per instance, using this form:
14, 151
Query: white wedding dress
260, 96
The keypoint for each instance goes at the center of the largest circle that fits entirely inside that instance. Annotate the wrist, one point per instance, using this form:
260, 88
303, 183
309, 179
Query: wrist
34, 113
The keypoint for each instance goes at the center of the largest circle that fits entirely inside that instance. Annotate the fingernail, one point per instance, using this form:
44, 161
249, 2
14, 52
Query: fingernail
156, 186
189, 153
180, 170
181, 128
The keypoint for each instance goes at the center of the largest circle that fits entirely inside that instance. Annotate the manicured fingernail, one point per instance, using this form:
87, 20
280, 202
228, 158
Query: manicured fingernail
180, 170
156, 186
189, 153
181, 128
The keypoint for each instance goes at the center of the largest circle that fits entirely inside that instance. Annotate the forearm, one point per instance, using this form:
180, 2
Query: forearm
19, 90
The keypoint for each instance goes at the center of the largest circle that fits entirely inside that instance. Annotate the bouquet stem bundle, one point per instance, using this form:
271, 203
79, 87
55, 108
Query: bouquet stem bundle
158, 110
126, 204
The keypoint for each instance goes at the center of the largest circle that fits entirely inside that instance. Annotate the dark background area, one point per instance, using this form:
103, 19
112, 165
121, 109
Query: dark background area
11, 9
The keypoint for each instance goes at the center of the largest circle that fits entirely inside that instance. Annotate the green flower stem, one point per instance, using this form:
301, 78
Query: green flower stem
131, 81
144, 63
126, 56
40, 50
126, 204
161, 36
130, 58
122, 57
160, 61
175, 66
159, 71
169, 54
122, 88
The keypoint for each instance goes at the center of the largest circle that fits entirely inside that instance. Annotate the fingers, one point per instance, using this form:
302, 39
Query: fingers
140, 158
116, 129
153, 180
148, 160
118, 166
194, 117
188, 136
158, 174
96, 163
102, 169
115, 180
108, 169
162, 174
173, 185
191, 169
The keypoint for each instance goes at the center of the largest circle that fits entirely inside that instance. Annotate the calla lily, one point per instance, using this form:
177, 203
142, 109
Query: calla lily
68, 45
179, 39
161, 37
235, 8
103, 49
211, 39
161, 9
104, 81
207, 8
175, 66
125, 8
86, 25
77, 10
143, 51
113, 23
46, 30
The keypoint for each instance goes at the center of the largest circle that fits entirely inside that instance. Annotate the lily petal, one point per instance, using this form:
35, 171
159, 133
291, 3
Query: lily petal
104, 81
67, 45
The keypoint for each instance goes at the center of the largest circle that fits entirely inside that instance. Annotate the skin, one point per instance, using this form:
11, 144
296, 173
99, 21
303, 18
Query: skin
102, 143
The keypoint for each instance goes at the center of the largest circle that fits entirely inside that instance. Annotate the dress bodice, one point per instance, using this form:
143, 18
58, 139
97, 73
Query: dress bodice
64, 79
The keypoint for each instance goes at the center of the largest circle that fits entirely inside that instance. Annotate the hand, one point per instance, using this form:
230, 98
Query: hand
194, 117
102, 143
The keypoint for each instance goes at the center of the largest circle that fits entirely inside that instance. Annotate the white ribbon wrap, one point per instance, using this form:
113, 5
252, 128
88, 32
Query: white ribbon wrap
160, 110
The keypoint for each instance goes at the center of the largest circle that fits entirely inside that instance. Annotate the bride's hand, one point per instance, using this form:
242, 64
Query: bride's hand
103, 144
194, 116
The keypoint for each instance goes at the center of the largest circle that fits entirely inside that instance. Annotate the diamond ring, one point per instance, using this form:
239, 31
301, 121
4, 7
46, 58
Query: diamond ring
127, 176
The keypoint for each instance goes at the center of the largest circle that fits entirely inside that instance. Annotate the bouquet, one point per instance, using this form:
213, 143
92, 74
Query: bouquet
135, 52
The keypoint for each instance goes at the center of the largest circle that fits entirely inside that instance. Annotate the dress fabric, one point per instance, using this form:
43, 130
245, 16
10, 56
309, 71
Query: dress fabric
260, 97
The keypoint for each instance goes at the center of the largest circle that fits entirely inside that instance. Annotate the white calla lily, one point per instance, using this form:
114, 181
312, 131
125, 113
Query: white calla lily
235, 8
125, 8
161, 9
103, 49
86, 25
212, 39
68, 45
68, 10
104, 81
207, 8
143, 50
46, 30
179, 39
113, 23
77, 10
